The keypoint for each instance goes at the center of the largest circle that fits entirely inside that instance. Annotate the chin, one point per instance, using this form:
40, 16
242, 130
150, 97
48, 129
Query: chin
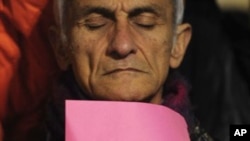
140, 90
128, 96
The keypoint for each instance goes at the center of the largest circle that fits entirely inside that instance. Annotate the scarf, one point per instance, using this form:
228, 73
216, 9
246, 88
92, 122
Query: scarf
175, 97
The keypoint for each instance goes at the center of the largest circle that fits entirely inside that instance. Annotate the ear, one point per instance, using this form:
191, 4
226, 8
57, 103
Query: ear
183, 36
60, 48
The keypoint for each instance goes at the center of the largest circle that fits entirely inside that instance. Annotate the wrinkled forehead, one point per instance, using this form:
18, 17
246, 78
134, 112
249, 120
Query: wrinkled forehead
112, 2
62, 7
125, 5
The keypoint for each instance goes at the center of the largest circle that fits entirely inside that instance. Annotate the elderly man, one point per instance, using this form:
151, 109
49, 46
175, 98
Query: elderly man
119, 50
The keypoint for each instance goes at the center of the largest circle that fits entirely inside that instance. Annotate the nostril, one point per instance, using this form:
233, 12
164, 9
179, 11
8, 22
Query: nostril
122, 45
119, 55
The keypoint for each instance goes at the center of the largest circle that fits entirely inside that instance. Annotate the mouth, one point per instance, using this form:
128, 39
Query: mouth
120, 70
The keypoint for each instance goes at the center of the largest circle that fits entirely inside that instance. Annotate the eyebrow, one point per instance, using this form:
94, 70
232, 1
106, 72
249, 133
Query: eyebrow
147, 9
87, 10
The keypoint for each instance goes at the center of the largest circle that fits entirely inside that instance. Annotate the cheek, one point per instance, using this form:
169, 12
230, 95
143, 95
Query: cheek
81, 49
87, 52
157, 48
81, 61
85, 47
161, 60
157, 52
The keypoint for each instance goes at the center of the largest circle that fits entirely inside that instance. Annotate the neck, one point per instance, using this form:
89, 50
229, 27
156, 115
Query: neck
156, 99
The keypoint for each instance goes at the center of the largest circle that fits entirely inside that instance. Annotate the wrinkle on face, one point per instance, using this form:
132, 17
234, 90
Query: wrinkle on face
121, 48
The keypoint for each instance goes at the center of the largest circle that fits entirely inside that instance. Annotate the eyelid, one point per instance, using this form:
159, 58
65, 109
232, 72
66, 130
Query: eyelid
93, 21
144, 17
148, 14
145, 20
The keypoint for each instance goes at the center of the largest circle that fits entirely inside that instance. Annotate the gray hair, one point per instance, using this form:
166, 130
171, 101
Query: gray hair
178, 11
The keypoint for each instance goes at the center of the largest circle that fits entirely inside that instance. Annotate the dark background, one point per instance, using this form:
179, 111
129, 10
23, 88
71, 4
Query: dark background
217, 65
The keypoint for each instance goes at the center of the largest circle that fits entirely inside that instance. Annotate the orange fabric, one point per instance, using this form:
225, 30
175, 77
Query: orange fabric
26, 64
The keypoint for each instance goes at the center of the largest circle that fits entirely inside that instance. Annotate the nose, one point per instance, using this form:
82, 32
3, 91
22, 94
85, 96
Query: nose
122, 44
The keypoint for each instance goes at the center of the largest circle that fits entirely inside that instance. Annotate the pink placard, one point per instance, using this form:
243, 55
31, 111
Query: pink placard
123, 121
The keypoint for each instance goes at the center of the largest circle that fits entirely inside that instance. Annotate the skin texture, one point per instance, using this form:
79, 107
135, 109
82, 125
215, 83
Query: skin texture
121, 50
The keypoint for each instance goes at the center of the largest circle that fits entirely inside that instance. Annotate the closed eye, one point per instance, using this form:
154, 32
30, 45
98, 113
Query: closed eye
148, 26
94, 26
94, 22
145, 21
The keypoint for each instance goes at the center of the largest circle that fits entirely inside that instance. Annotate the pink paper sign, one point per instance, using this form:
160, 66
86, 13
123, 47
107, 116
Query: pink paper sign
123, 121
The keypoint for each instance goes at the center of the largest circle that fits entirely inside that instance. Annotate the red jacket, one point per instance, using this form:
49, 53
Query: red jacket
26, 65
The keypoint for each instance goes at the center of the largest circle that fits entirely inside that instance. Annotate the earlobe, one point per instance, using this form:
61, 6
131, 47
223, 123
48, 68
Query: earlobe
183, 36
60, 49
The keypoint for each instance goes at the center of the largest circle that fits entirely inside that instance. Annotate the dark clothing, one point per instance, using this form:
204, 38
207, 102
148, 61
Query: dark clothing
217, 66
175, 97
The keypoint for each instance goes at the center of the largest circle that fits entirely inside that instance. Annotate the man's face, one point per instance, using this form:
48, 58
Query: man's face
121, 49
